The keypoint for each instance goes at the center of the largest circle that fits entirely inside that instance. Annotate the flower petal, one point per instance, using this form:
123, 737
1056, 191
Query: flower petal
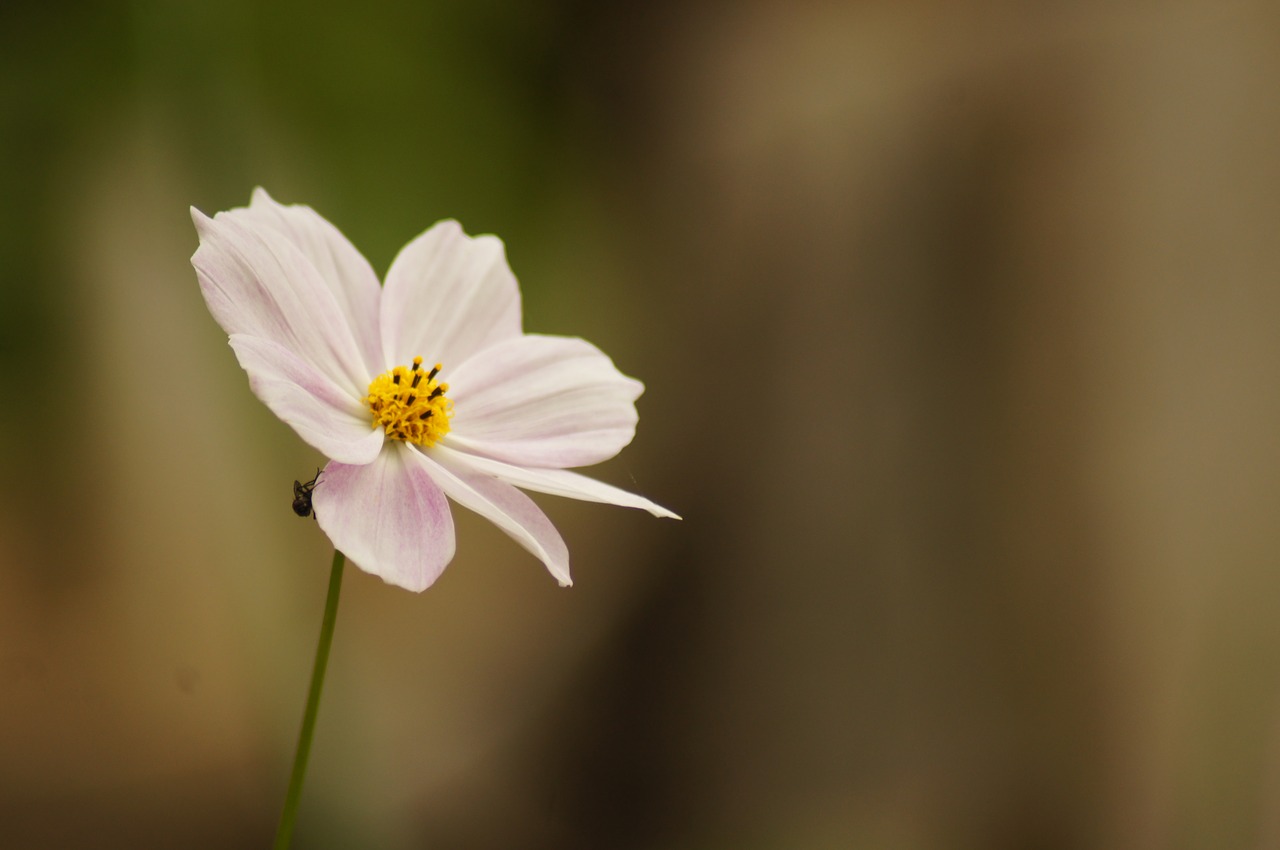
556, 482
324, 415
344, 269
257, 282
389, 517
504, 506
447, 296
545, 401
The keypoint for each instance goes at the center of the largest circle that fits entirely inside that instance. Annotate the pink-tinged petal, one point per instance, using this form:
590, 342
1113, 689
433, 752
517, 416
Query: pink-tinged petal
324, 414
555, 482
545, 401
447, 296
389, 517
504, 506
344, 269
258, 283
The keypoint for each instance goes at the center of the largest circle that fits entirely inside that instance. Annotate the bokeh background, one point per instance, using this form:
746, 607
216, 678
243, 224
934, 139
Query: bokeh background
959, 325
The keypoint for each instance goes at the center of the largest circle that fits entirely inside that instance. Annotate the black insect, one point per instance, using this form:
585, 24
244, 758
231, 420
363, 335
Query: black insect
302, 496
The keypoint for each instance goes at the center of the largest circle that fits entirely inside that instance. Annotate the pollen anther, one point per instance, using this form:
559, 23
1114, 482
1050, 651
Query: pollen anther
406, 412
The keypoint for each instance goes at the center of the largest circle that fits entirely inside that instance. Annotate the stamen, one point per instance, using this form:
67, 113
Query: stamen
406, 408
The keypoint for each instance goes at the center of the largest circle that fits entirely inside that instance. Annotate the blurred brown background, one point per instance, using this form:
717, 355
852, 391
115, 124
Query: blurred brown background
959, 327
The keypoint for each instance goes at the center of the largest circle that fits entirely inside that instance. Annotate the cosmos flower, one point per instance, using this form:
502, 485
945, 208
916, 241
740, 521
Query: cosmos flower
417, 390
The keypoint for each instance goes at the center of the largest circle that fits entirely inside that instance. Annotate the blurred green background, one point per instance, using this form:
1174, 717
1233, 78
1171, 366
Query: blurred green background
959, 328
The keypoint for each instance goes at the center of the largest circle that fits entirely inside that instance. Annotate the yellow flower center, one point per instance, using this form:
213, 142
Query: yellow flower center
410, 404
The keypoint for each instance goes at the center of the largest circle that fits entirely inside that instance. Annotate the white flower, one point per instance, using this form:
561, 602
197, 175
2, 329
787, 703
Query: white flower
348, 364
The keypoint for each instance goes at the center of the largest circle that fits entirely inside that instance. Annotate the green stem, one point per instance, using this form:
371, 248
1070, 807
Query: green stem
284, 832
